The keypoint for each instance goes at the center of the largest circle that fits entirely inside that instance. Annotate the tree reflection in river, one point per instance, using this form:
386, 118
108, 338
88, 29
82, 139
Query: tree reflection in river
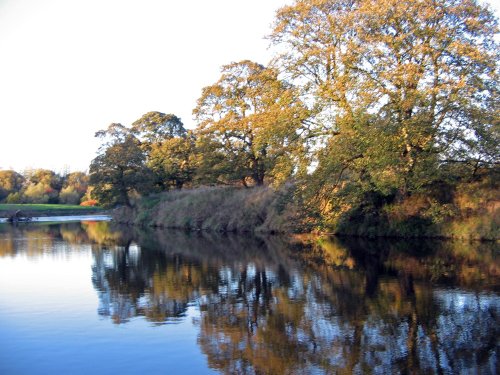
267, 305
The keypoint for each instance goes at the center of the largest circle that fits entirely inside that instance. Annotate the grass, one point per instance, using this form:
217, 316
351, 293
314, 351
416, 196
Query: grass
41, 207
222, 209
46, 209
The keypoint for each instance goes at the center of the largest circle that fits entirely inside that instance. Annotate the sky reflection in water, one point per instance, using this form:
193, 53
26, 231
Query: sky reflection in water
93, 298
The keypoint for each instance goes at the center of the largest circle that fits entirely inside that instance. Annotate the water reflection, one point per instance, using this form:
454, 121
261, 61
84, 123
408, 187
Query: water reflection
272, 306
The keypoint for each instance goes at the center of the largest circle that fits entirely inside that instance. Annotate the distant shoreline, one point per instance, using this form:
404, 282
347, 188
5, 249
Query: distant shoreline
48, 210
63, 219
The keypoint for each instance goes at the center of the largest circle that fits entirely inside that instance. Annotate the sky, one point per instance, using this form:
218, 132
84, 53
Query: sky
69, 68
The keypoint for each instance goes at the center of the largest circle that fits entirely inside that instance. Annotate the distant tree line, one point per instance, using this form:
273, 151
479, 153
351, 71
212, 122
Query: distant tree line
43, 186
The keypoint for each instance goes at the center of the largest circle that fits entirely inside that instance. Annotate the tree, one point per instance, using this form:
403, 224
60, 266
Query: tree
119, 170
153, 153
402, 87
167, 146
172, 161
254, 119
69, 195
10, 182
74, 188
114, 133
417, 72
155, 127
43, 186
78, 180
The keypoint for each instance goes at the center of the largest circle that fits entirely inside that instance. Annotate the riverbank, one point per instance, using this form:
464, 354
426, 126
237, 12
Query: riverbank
221, 209
472, 214
46, 210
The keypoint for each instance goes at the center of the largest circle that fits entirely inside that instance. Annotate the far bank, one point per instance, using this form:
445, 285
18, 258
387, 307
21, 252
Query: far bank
44, 210
471, 212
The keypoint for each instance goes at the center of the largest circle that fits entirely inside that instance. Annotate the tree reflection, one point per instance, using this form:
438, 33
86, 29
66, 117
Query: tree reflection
37, 239
332, 306
271, 306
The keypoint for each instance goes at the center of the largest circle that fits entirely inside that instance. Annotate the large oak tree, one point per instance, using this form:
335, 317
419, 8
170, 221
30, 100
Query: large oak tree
254, 120
403, 88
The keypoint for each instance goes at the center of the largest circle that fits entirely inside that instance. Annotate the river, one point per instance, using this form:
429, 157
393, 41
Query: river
91, 297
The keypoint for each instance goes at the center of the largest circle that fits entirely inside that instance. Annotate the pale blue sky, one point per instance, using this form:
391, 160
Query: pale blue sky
69, 68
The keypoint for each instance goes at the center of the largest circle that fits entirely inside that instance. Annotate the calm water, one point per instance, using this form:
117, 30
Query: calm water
92, 298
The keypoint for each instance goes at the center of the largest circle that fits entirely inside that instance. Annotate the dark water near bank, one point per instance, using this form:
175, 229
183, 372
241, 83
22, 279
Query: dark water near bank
92, 298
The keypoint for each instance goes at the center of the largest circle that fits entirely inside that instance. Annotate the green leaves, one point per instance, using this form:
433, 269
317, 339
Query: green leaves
155, 127
120, 170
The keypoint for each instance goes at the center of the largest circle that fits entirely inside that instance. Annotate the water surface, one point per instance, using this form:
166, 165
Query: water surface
90, 297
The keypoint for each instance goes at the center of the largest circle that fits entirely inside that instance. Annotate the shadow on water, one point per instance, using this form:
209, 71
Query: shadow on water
275, 305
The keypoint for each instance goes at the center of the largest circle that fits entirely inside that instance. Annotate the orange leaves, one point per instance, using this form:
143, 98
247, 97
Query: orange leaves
89, 203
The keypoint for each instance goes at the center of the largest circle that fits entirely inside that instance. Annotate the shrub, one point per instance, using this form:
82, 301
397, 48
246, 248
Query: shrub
89, 203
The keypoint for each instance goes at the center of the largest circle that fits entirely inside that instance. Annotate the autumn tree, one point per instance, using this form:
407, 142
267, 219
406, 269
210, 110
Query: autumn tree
254, 119
74, 188
168, 148
172, 161
120, 168
43, 186
155, 127
11, 182
402, 88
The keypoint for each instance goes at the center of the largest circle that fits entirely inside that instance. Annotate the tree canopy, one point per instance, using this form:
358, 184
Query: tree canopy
118, 171
254, 119
155, 127
11, 182
402, 88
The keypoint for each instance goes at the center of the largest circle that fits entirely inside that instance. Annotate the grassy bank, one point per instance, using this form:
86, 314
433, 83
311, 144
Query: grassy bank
47, 209
471, 212
224, 209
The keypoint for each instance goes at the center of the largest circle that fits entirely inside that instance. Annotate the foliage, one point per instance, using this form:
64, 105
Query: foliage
155, 127
254, 120
79, 181
119, 171
172, 161
42, 186
224, 209
402, 89
69, 195
89, 203
16, 197
153, 154
37, 193
10, 182
373, 118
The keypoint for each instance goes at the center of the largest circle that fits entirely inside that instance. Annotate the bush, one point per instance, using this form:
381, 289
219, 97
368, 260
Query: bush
89, 203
